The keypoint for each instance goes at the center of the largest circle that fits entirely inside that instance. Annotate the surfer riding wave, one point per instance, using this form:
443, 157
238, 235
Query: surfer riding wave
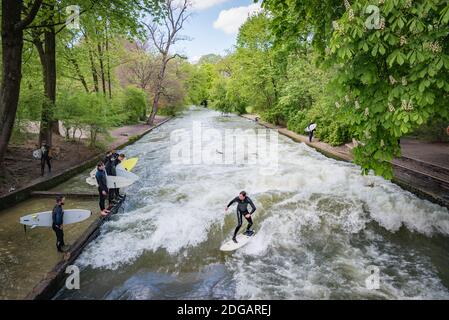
242, 211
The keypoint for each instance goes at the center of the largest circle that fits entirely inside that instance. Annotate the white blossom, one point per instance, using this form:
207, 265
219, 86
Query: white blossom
391, 107
392, 79
366, 112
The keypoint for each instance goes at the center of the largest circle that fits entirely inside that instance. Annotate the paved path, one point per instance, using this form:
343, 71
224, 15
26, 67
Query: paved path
121, 135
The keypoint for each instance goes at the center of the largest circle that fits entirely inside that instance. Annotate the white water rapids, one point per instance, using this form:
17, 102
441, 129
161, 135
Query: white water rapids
320, 224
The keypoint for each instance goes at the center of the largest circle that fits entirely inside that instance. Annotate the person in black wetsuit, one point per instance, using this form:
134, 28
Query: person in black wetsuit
45, 159
100, 176
311, 132
111, 170
242, 210
118, 160
58, 221
110, 155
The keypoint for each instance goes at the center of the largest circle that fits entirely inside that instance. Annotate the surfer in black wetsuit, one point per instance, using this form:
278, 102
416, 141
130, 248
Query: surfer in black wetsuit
242, 210
57, 225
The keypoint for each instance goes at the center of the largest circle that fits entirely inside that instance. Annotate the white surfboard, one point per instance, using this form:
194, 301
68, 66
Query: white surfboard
120, 173
113, 182
127, 174
311, 127
242, 240
37, 154
44, 219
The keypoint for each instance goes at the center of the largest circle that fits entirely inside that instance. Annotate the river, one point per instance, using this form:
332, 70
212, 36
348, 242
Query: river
319, 225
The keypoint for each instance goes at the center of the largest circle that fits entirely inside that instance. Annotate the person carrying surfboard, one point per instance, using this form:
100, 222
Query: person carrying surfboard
58, 220
242, 201
46, 157
311, 131
100, 176
111, 170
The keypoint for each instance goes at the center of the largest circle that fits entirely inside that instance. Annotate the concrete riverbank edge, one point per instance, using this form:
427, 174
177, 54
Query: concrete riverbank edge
26, 192
52, 282
331, 153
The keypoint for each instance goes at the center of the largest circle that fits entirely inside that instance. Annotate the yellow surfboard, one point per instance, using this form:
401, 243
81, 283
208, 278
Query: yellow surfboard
129, 164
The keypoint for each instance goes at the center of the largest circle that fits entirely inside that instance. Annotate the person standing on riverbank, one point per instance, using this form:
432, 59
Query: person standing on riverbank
58, 221
110, 155
242, 211
119, 160
46, 159
100, 176
111, 170
310, 132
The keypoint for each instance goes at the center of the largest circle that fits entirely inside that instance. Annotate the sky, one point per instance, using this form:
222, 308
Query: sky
213, 26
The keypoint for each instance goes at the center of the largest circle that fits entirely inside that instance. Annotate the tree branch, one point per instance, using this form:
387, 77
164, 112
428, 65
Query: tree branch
30, 17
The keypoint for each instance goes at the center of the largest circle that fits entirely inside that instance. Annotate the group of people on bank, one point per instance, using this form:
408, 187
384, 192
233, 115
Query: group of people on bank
108, 167
105, 168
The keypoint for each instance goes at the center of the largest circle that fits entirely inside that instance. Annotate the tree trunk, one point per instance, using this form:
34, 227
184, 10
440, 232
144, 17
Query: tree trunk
108, 62
144, 115
158, 91
94, 71
92, 64
79, 74
155, 107
50, 92
47, 55
12, 46
102, 73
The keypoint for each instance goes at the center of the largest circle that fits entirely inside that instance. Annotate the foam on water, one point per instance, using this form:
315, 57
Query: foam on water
319, 223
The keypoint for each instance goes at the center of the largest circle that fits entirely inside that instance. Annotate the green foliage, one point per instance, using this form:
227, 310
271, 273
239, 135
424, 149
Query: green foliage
390, 77
132, 104
396, 72
284, 86
435, 130
89, 111
199, 82
170, 110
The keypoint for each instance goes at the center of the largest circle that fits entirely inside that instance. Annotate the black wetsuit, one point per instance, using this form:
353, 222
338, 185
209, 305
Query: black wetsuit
116, 163
45, 159
58, 219
311, 132
242, 210
102, 186
111, 171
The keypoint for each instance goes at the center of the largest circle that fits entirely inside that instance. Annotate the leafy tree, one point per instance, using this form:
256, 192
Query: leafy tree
395, 75
390, 72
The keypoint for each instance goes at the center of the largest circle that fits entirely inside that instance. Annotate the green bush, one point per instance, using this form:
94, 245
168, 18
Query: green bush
92, 111
132, 104
434, 130
169, 111
275, 116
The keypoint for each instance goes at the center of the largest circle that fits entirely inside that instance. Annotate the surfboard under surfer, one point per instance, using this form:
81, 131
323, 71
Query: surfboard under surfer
242, 201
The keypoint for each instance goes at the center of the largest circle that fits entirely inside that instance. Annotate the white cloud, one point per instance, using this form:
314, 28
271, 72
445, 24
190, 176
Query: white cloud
205, 4
231, 20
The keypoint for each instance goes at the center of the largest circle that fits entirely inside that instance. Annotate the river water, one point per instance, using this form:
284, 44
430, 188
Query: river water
319, 225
